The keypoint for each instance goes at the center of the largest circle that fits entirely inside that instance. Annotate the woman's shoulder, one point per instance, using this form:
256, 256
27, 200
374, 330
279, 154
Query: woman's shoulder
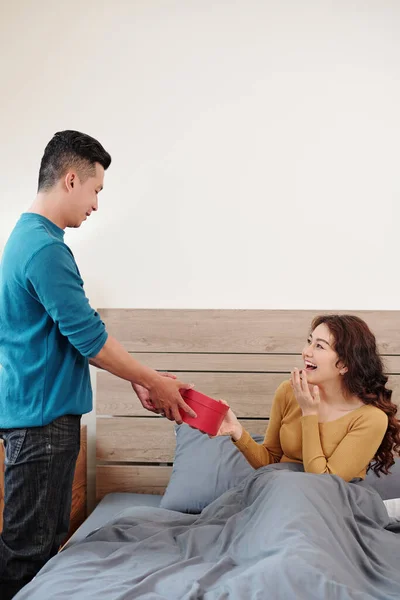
370, 414
285, 385
285, 392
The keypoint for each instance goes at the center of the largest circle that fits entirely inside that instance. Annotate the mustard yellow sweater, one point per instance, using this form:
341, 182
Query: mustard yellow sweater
343, 447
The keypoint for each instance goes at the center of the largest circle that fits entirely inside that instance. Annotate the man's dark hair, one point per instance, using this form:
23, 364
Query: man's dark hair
70, 149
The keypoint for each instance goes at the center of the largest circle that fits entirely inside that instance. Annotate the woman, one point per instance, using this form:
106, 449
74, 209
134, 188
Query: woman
334, 416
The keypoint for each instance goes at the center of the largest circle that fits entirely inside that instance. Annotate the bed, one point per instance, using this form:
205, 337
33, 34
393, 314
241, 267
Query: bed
182, 516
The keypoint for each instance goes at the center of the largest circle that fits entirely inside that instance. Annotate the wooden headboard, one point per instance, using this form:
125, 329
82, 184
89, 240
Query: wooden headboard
238, 355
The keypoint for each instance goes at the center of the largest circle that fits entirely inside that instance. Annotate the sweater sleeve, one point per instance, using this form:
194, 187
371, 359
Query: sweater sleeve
270, 451
53, 278
355, 451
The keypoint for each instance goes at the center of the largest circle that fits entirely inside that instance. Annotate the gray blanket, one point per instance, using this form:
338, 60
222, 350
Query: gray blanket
280, 535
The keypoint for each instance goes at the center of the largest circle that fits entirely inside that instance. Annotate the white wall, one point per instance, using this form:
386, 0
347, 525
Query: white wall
255, 145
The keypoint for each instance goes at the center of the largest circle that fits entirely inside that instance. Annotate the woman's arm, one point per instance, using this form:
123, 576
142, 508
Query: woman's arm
355, 451
270, 451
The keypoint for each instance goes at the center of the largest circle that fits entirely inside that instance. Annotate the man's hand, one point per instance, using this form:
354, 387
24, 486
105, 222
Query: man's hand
144, 395
165, 396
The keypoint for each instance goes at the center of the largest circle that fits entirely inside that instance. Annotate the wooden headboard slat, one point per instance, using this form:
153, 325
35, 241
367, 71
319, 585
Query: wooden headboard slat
243, 331
140, 479
145, 439
236, 362
249, 394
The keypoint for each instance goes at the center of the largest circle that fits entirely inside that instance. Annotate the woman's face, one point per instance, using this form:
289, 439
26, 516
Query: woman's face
320, 359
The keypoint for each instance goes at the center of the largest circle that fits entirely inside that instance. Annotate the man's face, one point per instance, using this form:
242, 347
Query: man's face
82, 197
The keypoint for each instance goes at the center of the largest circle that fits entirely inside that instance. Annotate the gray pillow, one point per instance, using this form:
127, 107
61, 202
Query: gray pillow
387, 486
203, 470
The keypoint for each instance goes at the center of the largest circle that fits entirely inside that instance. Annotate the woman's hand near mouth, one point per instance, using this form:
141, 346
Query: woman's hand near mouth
308, 402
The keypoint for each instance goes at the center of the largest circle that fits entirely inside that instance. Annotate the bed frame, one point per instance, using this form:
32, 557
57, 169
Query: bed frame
238, 355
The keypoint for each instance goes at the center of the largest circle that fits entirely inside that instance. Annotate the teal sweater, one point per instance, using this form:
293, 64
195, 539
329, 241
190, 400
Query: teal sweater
48, 330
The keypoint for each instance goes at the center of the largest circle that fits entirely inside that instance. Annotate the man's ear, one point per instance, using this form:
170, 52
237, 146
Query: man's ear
69, 181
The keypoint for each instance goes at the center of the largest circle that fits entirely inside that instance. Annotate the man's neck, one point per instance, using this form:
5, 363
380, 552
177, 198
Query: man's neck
47, 205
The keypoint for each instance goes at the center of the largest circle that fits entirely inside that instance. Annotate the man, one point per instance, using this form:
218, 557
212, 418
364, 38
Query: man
48, 336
